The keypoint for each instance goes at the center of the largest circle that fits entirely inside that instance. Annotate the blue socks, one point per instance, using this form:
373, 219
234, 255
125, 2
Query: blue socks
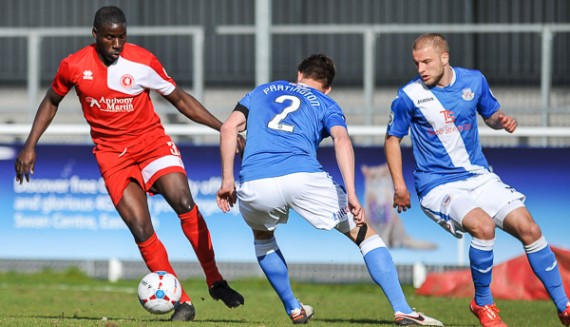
545, 266
275, 268
540, 257
383, 271
377, 258
481, 259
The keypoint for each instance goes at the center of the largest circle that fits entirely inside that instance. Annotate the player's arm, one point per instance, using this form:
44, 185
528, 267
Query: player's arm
195, 111
26, 159
499, 120
344, 153
393, 154
192, 108
229, 135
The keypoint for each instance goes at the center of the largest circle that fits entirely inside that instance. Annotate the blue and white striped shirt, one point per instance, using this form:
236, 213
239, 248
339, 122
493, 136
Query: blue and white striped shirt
443, 125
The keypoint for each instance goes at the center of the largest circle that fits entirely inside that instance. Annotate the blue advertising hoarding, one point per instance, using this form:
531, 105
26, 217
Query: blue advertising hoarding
65, 213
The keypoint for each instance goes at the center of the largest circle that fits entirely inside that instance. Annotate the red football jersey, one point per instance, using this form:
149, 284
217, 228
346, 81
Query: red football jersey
115, 100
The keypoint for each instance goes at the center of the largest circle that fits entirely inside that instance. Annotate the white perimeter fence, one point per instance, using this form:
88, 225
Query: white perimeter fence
263, 30
114, 269
355, 130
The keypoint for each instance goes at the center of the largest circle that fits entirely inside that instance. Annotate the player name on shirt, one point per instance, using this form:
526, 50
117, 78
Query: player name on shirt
305, 92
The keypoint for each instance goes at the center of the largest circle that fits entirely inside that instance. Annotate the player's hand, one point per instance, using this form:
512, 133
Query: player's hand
402, 200
359, 216
357, 211
226, 196
25, 164
509, 123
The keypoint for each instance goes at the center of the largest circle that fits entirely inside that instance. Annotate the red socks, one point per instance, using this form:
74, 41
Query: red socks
156, 259
195, 228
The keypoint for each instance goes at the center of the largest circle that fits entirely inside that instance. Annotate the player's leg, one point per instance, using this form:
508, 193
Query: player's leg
162, 171
380, 265
454, 207
176, 191
519, 223
323, 204
262, 207
482, 229
275, 268
383, 271
132, 206
506, 205
126, 186
133, 209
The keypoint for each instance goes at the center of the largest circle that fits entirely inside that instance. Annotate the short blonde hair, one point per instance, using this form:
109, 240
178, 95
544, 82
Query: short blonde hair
436, 40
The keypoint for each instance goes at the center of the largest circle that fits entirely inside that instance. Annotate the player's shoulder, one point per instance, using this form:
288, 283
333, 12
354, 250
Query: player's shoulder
469, 78
78, 60
414, 82
271, 87
412, 86
463, 72
85, 52
402, 98
136, 53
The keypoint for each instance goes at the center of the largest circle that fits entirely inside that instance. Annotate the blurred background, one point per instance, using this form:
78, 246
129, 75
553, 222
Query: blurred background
220, 49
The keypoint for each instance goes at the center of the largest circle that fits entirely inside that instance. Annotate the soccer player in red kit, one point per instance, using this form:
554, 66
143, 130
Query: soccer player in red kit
113, 79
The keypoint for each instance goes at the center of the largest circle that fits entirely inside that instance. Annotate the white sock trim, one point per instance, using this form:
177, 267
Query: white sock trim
265, 247
536, 246
371, 243
483, 245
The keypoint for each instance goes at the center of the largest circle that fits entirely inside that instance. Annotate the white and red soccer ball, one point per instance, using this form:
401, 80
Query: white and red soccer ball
159, 291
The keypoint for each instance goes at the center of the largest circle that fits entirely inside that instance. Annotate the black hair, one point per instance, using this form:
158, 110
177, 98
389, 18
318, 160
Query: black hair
318, 67
109, 15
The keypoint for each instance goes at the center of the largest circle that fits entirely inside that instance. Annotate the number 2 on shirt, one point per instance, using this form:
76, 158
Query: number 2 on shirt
275, 123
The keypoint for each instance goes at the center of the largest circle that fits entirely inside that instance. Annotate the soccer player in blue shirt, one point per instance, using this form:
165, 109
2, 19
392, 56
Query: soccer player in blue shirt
285, 123
452, 177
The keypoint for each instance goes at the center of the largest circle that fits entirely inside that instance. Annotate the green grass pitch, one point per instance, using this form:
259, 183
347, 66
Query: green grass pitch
71, 299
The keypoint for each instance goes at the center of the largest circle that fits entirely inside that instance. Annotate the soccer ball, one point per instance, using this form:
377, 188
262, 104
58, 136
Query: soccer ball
159, 291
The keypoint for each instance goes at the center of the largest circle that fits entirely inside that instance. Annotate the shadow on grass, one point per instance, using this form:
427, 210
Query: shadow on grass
356, 321
166, 319
91, 318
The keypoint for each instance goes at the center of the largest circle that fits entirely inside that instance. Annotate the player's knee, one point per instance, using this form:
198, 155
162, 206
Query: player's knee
530, 234
520, 224
183, 204
483, 229
535, 231
488, 230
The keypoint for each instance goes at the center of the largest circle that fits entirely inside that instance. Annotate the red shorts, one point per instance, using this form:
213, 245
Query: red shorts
143, 162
